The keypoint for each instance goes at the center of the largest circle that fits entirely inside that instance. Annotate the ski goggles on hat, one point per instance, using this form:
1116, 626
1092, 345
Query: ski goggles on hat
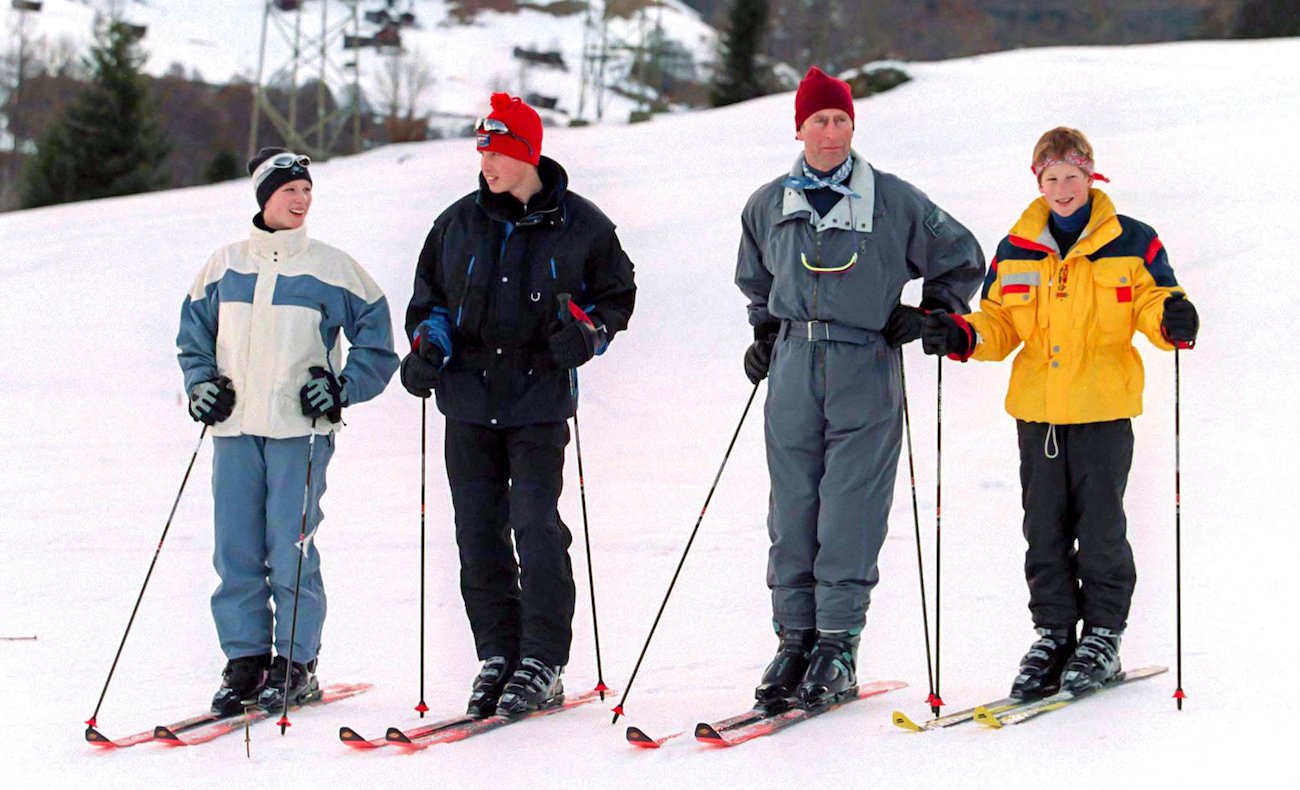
484, 127
295, 163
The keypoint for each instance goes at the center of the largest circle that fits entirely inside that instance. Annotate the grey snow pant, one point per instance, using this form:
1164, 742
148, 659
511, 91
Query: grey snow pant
257, 487
834, 426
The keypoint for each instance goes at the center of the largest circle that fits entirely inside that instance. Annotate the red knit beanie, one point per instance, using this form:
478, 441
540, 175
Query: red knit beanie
522, 121
820, 91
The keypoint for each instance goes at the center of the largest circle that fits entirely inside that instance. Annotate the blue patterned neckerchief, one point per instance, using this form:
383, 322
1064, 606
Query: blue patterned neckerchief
834, 182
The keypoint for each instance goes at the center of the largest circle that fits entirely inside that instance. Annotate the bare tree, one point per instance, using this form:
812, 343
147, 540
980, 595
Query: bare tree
400, 83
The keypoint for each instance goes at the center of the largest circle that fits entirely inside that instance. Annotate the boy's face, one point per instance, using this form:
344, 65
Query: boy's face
502, 173
826, 136
1065, 187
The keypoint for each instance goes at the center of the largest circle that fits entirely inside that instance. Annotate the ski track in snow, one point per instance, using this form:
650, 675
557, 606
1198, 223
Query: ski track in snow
94, 439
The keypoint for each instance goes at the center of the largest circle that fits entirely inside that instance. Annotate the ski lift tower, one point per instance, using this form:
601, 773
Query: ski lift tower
309, 53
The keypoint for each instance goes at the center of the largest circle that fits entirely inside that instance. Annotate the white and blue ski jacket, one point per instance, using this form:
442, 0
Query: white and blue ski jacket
264, 311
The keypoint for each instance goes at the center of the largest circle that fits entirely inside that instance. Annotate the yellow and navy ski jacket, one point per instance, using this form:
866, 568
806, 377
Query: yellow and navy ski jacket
1075, 312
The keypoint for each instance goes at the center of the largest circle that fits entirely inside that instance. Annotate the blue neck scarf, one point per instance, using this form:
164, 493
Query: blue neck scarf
813, 179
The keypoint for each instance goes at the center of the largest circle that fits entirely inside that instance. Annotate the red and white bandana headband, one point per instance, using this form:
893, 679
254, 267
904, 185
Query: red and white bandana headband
1072, 158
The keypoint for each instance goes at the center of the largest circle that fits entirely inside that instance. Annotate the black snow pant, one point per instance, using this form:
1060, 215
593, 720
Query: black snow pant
506, 480
1072, 480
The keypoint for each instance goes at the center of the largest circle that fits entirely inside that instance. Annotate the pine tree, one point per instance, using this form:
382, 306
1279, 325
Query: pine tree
739, 79
109, 141
1269, 19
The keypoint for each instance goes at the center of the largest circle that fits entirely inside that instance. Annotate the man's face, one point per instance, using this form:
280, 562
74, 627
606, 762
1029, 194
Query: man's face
827, 136
502, 173
287, 207
1065, 187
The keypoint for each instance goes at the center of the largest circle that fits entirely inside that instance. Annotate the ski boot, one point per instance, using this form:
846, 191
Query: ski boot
784, 673
533, 686
1095, 661
832, 669
303, 686
487, 687
241, 682
1041, 668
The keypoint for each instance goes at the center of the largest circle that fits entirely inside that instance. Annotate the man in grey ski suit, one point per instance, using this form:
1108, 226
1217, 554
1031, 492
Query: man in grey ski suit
824, 255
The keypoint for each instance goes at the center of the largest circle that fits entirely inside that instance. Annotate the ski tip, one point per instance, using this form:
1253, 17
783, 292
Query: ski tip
705, 733
395, 735
902, 720
164, 734
96, 737
986, 717
638, 738
349, 735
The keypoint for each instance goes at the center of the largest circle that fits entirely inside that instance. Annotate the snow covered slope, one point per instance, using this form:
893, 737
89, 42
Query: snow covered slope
93, 441
468, 60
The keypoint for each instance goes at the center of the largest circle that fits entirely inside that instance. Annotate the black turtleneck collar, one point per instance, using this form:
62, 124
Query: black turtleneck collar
259, 222
544, 207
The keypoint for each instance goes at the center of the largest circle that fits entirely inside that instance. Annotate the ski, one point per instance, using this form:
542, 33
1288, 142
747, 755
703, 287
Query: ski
354, 739
637, 737
1060, 700
97, 738
424, 737
215, 729
902, 720
766, 725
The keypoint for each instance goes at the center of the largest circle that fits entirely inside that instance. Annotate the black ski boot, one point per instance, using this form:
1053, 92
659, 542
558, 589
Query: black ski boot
782, 677
832, 669
533, 686
1095, 661
241, 683
303, 686
1041, 668
487, 688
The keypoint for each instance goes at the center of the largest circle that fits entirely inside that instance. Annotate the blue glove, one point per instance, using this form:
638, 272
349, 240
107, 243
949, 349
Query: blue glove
212, 401
324, 395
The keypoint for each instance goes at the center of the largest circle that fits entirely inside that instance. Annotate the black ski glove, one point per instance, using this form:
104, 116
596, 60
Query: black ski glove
904, 325
758, 357
573, 345
324, 395
1180, 322
944, 333
419, 375
212, 401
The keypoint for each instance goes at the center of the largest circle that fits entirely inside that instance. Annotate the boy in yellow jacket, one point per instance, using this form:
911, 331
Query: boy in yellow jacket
1072, 283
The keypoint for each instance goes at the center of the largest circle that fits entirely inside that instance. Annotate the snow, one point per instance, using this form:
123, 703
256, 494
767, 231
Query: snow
93, 443
468, 61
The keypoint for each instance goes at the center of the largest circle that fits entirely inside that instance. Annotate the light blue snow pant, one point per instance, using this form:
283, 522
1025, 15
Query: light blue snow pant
834, 427
257, 485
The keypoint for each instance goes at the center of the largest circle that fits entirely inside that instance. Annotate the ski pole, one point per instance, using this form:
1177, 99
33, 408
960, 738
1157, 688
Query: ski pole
297, 584
916, 520
422, 707
93, 720
936, 699
1178, 526
586, 534
618, 709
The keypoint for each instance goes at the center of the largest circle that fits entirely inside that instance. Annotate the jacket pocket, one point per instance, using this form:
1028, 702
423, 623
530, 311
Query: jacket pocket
1020, 298
1113, 301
